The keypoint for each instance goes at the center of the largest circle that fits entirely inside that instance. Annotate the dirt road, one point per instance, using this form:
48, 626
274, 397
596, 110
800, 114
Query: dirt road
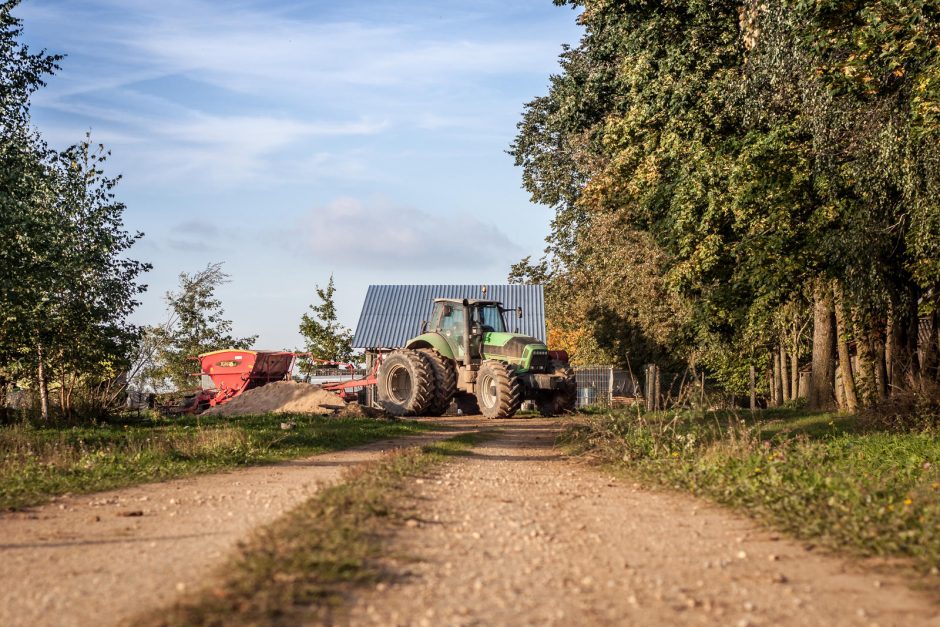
101, 559
517, 534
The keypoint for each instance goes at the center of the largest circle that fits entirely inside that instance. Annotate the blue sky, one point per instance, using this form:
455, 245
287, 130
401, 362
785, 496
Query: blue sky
292, 140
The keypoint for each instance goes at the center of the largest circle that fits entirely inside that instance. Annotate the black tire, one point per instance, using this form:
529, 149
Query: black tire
445, 381
564, 400
499, 390
405, 383
467, 404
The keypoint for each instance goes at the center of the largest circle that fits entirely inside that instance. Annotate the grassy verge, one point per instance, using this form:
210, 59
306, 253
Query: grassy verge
39, 463
299, 569
817, 476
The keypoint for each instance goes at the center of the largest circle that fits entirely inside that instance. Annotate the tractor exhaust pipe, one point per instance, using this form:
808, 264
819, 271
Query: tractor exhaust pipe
466, 336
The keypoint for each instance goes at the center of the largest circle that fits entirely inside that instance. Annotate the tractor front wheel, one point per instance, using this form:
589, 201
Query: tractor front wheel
498, 390
405, 383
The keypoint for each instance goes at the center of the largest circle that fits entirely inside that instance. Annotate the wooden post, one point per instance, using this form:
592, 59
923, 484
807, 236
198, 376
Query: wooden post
703, 391
650, 387
658, 394
753, 388
610, 389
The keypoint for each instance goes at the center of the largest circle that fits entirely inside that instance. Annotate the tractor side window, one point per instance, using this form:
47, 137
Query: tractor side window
491, 319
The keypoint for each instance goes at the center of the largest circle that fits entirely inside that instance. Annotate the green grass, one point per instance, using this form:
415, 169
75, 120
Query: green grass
300, 568
818, 476
37, 464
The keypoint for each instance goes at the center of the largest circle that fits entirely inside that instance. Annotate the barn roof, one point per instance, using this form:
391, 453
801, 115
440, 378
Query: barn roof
392, 314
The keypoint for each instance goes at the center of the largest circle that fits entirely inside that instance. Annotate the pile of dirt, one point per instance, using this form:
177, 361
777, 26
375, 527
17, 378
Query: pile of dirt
282, 397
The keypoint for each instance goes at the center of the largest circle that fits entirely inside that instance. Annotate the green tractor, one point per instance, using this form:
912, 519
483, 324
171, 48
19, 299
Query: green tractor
465, 354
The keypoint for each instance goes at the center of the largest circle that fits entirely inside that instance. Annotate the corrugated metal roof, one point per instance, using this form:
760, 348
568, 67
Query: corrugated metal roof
392, 314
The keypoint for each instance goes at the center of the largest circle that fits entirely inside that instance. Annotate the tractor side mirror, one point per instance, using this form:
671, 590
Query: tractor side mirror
519, 312
424, 327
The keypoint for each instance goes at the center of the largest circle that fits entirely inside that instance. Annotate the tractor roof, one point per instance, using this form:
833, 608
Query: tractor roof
392, 314
471, 301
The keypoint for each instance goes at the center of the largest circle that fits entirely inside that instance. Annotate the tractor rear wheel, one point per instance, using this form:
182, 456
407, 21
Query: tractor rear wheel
445, 381
405, 383
563, 400
499, 390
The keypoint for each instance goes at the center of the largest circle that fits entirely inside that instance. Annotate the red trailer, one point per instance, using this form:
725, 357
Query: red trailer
235, 371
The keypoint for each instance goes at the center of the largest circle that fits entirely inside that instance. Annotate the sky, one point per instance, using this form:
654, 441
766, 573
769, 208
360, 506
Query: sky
298, 140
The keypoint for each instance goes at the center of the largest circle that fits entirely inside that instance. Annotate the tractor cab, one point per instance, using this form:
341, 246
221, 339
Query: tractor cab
464, 323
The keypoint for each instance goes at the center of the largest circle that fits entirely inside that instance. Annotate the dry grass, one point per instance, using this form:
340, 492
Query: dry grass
38, 463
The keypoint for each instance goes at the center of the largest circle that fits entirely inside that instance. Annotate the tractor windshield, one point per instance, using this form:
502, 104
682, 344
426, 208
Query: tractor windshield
490, 318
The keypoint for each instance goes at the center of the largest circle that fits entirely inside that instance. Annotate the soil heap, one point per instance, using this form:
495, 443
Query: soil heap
281, 397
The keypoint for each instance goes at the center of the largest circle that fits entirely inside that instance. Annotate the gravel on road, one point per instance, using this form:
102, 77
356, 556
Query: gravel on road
101, 559
520, 534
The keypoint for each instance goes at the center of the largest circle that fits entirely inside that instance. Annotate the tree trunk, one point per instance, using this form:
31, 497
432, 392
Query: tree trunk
866, 385
784, 375
881, 364
795, 360
43, 386
821, 394
903, 361
842, 344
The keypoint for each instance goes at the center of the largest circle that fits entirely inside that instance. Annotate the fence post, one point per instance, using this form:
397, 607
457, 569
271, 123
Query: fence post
650, 387
610, 389
659, 395
753, 388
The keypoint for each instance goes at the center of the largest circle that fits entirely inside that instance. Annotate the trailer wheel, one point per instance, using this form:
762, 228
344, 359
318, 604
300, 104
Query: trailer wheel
563, 400
499, 391
445, 381
405, 383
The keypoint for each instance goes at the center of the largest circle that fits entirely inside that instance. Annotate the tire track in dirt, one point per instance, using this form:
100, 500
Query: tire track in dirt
519, 534
100, 559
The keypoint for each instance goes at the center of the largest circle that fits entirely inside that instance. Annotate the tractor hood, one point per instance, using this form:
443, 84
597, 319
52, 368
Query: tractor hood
511, 345
526, 353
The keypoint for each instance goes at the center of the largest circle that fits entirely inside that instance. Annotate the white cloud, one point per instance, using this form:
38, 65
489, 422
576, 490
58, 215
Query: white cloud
350, 232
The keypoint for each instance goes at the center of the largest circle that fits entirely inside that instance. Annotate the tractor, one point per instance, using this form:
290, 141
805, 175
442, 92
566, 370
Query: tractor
465, 354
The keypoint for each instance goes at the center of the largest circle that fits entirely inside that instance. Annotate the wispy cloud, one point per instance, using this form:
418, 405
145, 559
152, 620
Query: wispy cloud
349, 231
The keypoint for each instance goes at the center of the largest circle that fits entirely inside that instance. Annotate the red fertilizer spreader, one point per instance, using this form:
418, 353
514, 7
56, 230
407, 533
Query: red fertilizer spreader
228, 373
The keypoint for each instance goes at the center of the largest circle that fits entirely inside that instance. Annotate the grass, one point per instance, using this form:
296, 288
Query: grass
300, 568
37, 463
818, 476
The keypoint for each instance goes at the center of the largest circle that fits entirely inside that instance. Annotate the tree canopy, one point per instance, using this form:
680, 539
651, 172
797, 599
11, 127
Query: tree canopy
714, 167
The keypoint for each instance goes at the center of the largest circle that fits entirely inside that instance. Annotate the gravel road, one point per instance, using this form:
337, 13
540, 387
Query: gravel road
519, 534
101, 559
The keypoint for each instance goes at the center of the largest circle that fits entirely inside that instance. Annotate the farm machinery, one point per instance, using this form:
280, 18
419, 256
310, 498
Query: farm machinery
226, 374
465, 354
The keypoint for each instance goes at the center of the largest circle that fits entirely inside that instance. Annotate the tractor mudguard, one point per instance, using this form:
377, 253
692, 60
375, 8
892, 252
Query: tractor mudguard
432, 340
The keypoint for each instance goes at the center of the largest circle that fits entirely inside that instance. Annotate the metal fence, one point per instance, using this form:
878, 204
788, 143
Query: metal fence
606, 386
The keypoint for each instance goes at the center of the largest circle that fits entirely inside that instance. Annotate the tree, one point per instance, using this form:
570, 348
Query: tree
710, 164
66, 286
23, 188
197, 325
324, 337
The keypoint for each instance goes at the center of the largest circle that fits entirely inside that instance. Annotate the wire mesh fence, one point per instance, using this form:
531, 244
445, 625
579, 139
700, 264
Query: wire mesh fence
606, 386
